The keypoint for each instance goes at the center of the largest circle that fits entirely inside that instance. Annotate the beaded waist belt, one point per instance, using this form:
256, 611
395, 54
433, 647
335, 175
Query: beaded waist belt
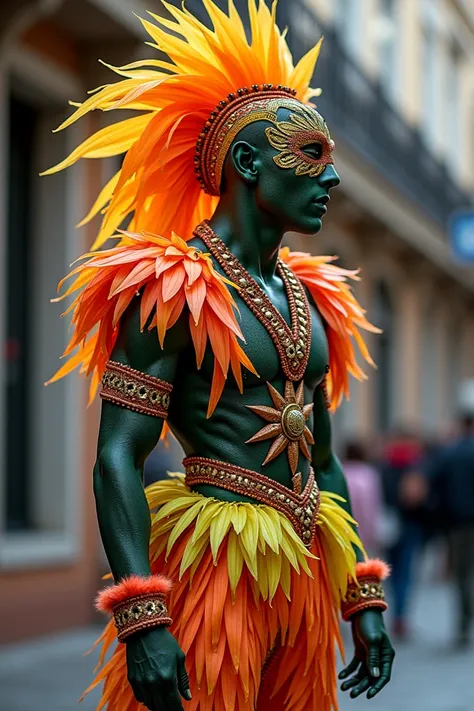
301, 507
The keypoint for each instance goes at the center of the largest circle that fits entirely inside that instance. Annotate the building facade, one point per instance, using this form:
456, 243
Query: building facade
398, 81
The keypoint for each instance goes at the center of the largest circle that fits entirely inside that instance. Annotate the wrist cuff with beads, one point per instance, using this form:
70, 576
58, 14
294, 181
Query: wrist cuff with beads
136, 603
366, 592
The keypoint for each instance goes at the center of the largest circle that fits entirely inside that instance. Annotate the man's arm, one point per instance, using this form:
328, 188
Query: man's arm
155, 663
327, 467
371, 666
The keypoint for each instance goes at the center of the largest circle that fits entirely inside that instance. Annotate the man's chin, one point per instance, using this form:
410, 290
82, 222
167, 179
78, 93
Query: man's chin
309, 227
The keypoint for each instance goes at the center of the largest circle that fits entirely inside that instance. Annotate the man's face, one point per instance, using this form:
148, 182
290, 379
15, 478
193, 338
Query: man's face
296, 170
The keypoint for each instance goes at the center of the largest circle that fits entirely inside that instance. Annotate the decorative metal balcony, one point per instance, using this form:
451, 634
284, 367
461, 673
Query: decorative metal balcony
360, 115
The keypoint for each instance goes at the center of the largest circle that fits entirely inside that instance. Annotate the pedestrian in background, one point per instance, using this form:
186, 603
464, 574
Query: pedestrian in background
405, 492
365, 491
452, 488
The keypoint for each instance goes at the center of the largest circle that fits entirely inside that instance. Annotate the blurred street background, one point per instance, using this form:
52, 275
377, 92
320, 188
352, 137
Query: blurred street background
398, 94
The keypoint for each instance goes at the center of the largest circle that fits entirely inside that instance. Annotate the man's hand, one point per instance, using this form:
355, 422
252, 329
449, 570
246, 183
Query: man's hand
373, 660
156, 670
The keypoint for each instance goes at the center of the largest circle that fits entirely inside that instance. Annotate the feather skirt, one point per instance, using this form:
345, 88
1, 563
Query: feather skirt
256, 613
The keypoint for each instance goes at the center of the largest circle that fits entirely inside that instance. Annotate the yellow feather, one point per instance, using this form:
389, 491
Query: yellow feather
235, 560
219, 526
184, 521
172, 507
267, 530
273, 563
250, 562
249, 535
275, 518
239, 518
104, 197
285, 576
205, 517
192, 551
288, 550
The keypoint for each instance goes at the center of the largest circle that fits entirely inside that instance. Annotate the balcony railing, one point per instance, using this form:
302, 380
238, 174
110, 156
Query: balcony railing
359, 114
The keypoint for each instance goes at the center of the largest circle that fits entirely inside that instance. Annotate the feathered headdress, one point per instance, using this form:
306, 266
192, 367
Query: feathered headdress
176, 98
190, 107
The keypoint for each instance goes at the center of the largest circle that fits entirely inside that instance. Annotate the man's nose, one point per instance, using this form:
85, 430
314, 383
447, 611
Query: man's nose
329, 177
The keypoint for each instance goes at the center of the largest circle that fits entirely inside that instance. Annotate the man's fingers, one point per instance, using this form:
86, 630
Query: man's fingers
183, 680
382, 681
360, 688
373, 660
353, 666
356, 679
378, 686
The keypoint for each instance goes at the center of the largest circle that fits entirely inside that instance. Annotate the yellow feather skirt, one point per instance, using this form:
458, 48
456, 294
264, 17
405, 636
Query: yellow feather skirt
256, 613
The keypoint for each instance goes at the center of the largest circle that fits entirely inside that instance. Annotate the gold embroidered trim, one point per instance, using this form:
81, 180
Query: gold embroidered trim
141, 612
293, 344
135, 391
234, 112
302, 509
368, 594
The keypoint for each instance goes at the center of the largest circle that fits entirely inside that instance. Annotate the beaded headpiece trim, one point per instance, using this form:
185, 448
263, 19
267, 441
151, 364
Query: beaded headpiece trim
229, 117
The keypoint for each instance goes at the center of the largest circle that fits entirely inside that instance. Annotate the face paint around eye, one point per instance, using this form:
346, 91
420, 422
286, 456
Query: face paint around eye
304, 129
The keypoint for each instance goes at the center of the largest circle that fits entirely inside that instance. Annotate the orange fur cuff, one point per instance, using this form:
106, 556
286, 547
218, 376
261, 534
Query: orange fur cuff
129, 588
375, 568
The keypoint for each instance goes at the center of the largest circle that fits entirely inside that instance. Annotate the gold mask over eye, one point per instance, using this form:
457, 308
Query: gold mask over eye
306, 127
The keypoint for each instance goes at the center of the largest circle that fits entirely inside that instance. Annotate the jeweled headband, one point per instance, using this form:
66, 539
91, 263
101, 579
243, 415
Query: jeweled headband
257, 103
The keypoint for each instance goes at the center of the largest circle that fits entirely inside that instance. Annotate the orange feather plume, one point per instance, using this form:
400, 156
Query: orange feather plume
343, 315
170, 275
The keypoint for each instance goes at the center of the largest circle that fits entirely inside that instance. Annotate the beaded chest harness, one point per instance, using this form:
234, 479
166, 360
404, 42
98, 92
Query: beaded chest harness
293, 344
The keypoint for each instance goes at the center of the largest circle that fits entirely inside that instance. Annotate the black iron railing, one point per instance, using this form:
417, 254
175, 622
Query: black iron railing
359, 114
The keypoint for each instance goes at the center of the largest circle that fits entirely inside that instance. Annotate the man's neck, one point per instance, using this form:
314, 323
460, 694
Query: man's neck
252, 237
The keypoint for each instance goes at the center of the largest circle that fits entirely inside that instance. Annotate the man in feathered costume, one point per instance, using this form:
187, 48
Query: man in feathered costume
227, 597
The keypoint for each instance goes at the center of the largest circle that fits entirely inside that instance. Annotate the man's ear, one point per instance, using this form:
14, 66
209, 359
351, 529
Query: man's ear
245, 160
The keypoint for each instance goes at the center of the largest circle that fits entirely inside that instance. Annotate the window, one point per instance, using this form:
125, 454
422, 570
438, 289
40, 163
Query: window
388, 43
40, 426
22, 122
349, 17
429, 83
452, 106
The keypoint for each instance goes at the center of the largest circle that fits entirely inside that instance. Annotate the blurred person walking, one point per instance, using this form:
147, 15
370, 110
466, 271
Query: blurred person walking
452, 487
365, 490
405, 492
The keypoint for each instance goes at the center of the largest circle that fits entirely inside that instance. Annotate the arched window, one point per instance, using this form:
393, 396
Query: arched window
383, 317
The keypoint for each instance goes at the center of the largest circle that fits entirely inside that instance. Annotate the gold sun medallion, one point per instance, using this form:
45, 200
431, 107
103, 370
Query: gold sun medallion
287, 424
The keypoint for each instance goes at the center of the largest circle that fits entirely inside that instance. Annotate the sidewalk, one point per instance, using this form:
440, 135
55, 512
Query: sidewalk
50, 675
